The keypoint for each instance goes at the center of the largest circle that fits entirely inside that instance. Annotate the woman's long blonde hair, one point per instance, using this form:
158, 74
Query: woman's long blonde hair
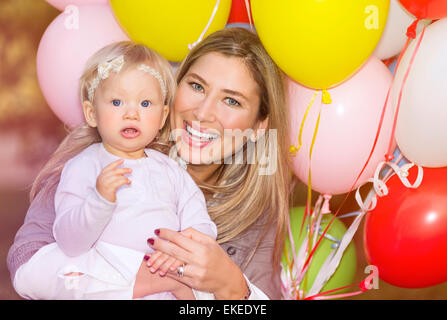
83, 135
243, 194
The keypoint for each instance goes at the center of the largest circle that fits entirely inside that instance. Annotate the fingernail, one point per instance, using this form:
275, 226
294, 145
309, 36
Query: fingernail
146, 257
152, 270
157, 232
150, 241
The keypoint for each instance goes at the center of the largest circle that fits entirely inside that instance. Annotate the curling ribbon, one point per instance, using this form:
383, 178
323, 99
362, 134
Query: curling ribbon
380, 189
293, 150
190, 46
413, 56
247, 6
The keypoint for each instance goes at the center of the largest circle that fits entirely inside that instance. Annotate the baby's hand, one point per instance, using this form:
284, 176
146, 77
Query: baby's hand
163, 262
110, 179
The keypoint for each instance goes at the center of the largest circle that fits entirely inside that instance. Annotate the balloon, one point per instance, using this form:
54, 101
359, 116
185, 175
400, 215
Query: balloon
169, 26
346, 132
238, 13
426, 9
62, 4
345, 273
405, 236
63, 51
421, 131
394, 36
320, 43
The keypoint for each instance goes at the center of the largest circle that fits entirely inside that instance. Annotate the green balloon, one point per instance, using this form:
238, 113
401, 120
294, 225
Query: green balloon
345, 273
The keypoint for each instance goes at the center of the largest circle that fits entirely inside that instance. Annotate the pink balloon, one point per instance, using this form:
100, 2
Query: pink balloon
347, 129
63, 51
62, 4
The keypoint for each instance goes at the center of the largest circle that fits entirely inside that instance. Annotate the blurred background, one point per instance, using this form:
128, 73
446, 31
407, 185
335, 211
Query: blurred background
30, 132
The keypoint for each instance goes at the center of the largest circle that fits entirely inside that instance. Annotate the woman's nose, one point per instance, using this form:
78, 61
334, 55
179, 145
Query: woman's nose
205, 110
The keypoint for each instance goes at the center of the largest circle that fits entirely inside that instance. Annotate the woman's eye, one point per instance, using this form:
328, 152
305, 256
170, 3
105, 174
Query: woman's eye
116, 102
196, 86
145, 103
232, 102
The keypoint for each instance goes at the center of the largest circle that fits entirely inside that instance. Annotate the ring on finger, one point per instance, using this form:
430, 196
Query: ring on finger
181, 270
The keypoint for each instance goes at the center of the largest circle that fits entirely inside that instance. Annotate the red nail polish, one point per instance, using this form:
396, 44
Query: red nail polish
146, 257
150, 241
157, 232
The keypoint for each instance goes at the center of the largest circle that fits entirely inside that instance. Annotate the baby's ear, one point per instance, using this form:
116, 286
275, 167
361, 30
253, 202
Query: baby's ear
89, 113
165, 115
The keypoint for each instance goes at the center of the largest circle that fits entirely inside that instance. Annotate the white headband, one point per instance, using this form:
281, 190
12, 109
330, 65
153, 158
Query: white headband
116, 65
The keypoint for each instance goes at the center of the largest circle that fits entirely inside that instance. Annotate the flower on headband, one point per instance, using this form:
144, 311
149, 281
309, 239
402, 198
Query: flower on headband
115, 65
104, 70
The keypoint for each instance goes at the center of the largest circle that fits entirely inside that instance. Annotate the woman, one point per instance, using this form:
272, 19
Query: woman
227, 86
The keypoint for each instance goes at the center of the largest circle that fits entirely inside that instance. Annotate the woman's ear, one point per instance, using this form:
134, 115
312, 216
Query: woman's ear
89, 113
259, 129
165, 116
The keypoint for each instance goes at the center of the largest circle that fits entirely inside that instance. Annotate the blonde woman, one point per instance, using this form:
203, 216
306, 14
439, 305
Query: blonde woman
229, 104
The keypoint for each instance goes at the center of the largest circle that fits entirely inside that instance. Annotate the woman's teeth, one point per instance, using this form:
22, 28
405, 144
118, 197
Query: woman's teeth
201, 135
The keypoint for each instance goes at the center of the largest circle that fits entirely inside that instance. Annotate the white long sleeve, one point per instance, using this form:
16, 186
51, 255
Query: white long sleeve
81, 212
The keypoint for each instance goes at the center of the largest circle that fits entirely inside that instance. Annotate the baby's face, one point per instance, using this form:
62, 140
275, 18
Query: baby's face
129, 112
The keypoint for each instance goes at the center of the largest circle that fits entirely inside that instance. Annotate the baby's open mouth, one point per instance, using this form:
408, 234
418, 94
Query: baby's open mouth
130, 132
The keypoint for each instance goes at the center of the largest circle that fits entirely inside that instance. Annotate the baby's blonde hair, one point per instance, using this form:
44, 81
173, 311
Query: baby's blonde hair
83, 135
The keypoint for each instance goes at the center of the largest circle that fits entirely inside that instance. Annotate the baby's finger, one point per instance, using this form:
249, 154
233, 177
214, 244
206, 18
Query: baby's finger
117, 182
118, 172
162, 259
113, 165
154, 258
164, 268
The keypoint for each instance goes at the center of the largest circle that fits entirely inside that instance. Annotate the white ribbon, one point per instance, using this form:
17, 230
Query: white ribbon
380, 189
190, 46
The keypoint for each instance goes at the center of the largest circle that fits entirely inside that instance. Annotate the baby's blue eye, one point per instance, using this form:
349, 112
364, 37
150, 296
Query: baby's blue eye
145, 103
116, 102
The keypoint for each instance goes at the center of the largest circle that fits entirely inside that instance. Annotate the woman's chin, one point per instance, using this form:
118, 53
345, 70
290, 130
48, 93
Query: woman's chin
197, 156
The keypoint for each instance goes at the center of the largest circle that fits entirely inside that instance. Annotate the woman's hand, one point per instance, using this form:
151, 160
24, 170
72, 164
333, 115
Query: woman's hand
208, 268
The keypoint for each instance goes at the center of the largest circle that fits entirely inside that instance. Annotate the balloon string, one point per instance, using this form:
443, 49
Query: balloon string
324, 295
309, 190
190, 46
247, 6
357, 179
407, 72
293, 150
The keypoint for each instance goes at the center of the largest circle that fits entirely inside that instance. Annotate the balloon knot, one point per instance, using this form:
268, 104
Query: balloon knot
411, 31
293, 150
389, 157
325, 208
364, 286
326, 98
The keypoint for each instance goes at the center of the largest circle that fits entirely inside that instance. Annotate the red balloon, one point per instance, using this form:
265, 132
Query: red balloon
238, 13
405, 236
426, 9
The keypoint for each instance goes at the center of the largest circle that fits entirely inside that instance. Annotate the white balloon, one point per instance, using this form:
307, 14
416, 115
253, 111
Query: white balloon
394, 35
421, 129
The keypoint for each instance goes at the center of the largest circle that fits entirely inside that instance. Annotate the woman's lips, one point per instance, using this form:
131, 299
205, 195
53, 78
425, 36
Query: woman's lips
200, 139
130, 132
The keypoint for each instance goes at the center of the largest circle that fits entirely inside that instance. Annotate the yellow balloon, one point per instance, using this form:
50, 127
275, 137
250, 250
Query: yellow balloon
169, 26
320, 43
